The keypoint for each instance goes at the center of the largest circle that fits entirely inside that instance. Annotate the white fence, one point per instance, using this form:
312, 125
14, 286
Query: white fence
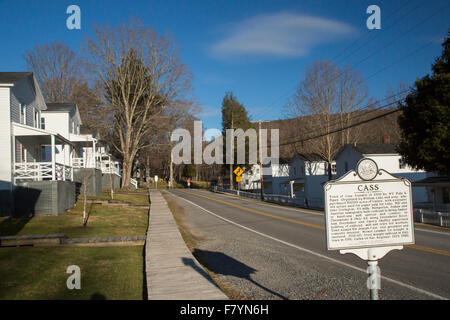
38, 171
423, 212
101, 165
106, 168
430, 213
134, 183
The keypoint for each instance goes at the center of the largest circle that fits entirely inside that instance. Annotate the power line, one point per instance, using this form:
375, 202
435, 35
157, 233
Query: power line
345, 49
342, 129
369, 56
386, 67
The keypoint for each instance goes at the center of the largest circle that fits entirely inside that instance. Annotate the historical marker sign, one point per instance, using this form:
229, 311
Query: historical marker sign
374, 212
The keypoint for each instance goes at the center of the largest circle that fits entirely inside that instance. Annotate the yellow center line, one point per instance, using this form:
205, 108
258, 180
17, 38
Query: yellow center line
431, 250
416, 247
259, 212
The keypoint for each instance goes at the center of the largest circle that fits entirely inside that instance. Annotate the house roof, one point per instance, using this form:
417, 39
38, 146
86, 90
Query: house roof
61, 106
13, 77
10, 78
312, 157
433, 181
268, 161
375, 148
370, 148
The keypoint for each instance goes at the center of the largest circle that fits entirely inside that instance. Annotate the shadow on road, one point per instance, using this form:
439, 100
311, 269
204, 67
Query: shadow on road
223, 264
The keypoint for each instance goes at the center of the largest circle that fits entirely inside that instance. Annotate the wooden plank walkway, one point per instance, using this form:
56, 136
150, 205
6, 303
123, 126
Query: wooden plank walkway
172, 271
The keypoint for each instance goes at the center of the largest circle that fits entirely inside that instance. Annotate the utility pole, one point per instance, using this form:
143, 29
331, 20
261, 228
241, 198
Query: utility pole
260, 163
232, 155
171, 166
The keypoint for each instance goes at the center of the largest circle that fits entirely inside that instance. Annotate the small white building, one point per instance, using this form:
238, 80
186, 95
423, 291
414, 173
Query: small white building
251, 178
387, 158
308, 173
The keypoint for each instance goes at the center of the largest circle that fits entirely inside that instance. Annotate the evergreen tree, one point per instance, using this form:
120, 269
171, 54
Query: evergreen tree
234, 116
425, 119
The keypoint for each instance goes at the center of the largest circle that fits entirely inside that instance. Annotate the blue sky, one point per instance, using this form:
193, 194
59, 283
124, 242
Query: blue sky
256, 49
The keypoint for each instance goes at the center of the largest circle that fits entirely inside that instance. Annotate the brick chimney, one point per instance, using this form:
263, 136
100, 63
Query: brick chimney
386, 138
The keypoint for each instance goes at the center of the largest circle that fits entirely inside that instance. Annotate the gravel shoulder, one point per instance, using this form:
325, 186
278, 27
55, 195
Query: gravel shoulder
249, 266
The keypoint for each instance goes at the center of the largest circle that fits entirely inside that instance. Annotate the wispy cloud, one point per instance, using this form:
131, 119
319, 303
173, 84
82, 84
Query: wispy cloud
208, 111
282, 34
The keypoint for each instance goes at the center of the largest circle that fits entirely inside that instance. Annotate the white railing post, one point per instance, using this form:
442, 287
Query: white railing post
52, 138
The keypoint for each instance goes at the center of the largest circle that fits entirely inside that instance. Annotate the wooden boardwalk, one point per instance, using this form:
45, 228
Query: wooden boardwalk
171, 270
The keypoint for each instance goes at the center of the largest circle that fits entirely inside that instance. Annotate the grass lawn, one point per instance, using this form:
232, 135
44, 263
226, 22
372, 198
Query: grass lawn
129, 198
103, 221
40, 273
106, 272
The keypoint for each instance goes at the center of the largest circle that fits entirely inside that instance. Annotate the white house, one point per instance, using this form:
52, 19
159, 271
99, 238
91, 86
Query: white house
438, 188
386, 157
90, 153
307, 174
26, 174
251, 178
275, 176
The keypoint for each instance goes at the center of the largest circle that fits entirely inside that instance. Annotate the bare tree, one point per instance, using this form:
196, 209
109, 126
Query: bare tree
142, 73
327, 99
352, 94
57, 69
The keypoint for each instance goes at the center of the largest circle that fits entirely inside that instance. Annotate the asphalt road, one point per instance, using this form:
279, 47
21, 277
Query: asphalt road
285, 250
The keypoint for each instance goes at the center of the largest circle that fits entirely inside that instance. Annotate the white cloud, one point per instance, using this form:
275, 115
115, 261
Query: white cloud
281, 34
208, 111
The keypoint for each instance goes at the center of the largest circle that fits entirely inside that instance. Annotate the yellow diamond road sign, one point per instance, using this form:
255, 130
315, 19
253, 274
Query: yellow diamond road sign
238, 171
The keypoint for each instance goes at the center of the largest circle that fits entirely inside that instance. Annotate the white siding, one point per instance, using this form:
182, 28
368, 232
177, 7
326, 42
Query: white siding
5, 139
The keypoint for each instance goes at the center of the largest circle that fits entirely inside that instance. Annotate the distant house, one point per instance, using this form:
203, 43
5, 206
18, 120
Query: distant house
438, 188
387, 158
275, 175
307, 174
31, 181
251, 178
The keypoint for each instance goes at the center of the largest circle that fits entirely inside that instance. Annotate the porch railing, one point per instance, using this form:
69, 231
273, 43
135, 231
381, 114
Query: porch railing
82, 163
38, 171
134, 183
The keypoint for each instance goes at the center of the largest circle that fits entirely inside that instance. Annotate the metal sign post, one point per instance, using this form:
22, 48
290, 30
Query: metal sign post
368, 212
238, 172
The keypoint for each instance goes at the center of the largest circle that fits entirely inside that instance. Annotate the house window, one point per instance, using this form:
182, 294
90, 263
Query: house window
299, 187
445, 195
333, 168
401, 163
23, 114
36, 118
43, 123
295, 171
